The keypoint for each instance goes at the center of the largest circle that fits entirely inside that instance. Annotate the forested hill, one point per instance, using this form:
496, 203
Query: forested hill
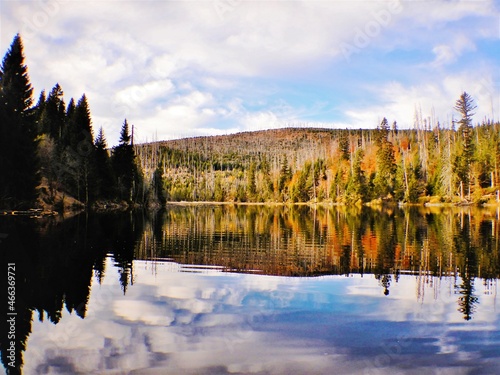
255, 142
337, 165
293, 142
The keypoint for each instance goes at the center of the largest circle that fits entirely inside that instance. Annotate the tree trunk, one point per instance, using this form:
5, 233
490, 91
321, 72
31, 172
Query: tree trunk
407, 189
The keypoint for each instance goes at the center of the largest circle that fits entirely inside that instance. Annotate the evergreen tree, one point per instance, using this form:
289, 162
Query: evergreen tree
71, 109
344, 145
382, 132
465, 107
356, 188
16, 89
284, 178
386, 165
251, 186
67, 127
157, 186
39, 107
300, 189
103, 170
77, 152
123, 162
265, 169
53, 114
83, 135
125, 136
415, 181
18, 146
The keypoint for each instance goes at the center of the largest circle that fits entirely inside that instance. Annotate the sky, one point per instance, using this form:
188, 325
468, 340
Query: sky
183, 68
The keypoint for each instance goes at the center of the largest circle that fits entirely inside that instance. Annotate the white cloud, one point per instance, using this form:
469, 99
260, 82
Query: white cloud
447, 54
180, 322
143, 95
163, 66
444, 55
435, 101
180, 68
434, 14
143, 312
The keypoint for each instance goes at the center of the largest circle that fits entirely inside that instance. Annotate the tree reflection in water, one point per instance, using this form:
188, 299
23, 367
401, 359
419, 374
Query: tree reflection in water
55, 261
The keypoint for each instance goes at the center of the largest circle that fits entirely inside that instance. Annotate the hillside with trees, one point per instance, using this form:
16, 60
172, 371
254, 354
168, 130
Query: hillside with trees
51, 158
428, 163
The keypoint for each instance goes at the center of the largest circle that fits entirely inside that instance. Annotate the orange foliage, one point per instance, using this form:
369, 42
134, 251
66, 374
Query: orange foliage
369, 164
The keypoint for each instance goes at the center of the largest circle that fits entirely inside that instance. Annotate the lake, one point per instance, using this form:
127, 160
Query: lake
223, 289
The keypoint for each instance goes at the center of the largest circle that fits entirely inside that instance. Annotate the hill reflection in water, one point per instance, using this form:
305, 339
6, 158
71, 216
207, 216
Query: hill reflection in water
307, 241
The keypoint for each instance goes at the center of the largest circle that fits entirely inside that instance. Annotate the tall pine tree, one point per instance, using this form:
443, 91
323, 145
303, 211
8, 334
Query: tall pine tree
53, 115
123, 161
465, 107
78, 152
18, 146
103, 171
386, 165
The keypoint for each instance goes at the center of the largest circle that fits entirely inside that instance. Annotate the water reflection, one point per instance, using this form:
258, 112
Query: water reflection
168, 267
304, 241
54, 263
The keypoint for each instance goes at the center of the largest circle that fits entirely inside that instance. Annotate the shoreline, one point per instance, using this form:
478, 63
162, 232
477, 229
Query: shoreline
108, 207
336, 204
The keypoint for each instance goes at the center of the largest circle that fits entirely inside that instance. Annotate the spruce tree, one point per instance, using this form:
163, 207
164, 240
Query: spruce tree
123, 162
386, 166
85, 147
16, 88
284, 178
53, 114
103, 171
18, 146
70, 109
465, 107
356, 186
251, 185
39, 107
300, 189
67, 126
77, 151
83, 124
344, 145
268, 187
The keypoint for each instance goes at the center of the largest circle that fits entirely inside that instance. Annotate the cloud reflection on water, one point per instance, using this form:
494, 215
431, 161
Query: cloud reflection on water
211, 322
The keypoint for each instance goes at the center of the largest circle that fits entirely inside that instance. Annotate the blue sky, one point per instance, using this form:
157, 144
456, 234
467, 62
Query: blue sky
188, 68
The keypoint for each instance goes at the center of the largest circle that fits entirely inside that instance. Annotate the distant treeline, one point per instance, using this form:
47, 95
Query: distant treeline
429, 163
50, 157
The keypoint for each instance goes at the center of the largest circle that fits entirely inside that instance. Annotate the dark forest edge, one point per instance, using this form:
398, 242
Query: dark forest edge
51, 160
49, 156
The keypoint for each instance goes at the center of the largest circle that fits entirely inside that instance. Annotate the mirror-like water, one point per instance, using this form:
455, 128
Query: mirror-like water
256, 290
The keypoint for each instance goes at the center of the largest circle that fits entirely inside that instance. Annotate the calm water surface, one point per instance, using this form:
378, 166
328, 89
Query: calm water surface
256, 290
